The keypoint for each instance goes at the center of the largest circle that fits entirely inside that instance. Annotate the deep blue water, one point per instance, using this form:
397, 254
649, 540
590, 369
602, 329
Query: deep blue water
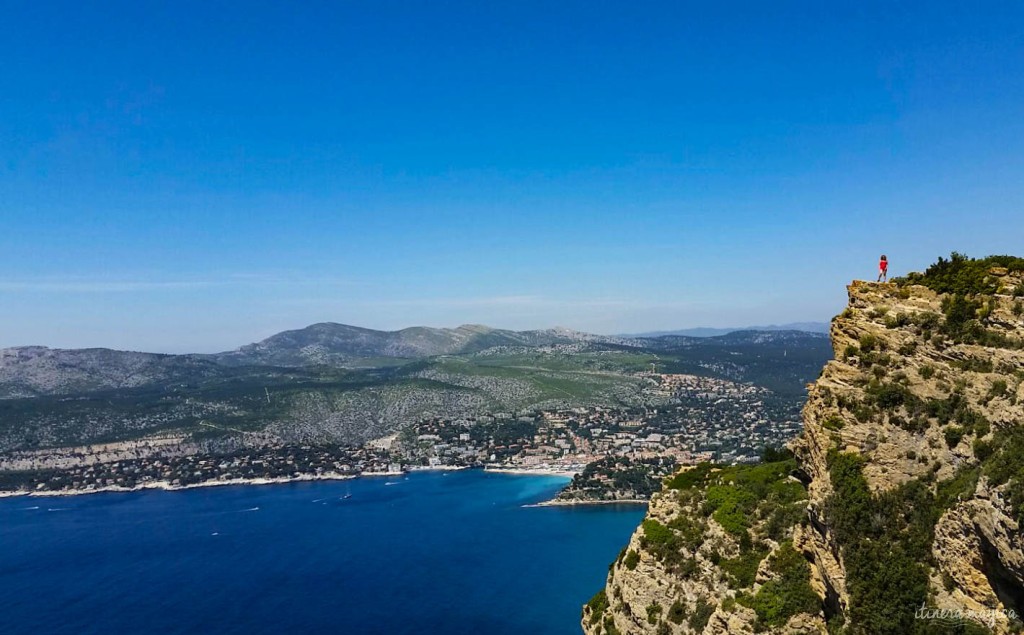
430, 553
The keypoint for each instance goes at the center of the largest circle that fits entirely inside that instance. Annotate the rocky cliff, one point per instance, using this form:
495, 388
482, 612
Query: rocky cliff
902, 498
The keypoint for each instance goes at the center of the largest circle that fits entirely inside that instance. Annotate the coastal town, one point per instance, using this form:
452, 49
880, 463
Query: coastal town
263, 465
614, 454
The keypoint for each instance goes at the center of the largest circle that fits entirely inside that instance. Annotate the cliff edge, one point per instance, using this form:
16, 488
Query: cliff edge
899, 509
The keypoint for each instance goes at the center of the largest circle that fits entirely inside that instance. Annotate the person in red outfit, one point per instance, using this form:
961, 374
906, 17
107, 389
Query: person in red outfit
883, 269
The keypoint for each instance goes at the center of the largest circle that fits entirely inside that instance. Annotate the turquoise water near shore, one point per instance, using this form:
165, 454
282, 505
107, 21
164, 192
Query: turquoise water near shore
432, 552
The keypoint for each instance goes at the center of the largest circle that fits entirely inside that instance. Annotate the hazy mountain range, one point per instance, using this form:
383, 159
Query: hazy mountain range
704, 331
331, 343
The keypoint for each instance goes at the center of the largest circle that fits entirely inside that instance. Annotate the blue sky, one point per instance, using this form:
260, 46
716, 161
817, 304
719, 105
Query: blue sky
192, 176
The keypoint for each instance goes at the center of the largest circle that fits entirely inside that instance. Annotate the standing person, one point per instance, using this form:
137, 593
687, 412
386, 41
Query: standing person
883, 269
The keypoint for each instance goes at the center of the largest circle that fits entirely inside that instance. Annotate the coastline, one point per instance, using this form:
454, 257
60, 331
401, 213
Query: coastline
555, 502
329, 476
525, 471
167, 487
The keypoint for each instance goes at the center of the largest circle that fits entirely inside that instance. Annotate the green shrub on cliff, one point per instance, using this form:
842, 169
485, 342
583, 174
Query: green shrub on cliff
961, 486
833, 422
691, 531
888, 396
653, 613
741, 570
882, 548
597, 605
962, 275
657, 535
740, 496
953, 435
868, 342
789, 593
667, 546
961, 316
610, 628
687, 479
968, 303
850, 505
731, 506
631, 560
1005, 467
701, 614
677, 612
754, 492
886, 539
927, 320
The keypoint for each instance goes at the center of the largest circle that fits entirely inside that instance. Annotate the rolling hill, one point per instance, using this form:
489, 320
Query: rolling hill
344, 384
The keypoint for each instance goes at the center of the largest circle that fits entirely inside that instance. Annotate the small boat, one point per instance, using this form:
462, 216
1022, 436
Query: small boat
346, 496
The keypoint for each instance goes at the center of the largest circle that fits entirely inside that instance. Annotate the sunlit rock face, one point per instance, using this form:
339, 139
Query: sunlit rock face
909, 469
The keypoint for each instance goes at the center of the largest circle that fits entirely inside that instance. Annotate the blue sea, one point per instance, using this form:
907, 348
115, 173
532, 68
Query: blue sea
438, 553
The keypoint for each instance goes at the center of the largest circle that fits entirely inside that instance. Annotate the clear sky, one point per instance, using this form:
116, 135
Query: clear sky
192, 176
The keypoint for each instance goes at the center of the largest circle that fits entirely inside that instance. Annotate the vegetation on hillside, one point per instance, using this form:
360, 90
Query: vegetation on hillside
962, 275
787, 594
198, 398
886, 542
757, 505
739, 497
1002, 465
781, 362
622, 476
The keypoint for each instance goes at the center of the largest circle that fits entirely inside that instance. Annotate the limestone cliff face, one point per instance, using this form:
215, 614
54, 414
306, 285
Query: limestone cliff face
920, 416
